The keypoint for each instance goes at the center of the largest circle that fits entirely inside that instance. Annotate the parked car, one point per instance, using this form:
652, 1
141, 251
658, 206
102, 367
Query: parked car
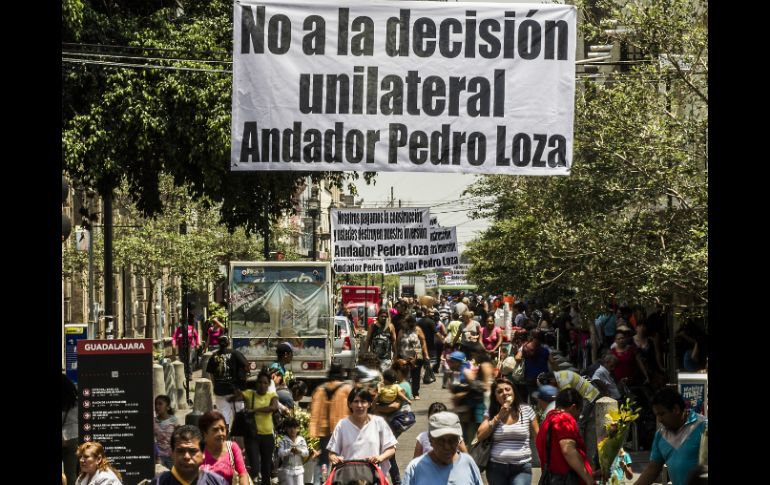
345, 348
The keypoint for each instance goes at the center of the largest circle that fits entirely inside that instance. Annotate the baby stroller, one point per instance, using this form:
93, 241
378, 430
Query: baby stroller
356, 472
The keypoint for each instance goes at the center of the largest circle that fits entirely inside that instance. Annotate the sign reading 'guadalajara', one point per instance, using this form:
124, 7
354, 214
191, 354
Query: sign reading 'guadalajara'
126, 346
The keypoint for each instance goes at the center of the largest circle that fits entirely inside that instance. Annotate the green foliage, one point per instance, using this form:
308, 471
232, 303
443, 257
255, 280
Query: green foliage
133, 123
217, 311
631, 219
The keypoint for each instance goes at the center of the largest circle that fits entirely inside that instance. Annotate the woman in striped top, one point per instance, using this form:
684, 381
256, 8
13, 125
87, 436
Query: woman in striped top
511, 425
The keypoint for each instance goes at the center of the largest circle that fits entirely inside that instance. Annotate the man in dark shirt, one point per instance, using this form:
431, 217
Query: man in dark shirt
187, 458
428, 326
228, 369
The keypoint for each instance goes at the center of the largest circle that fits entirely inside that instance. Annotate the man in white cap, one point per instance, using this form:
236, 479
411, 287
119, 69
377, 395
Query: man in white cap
444, 463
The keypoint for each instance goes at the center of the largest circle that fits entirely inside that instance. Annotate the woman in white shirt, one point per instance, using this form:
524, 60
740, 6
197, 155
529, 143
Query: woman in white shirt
511, 425
95, 468
362, 436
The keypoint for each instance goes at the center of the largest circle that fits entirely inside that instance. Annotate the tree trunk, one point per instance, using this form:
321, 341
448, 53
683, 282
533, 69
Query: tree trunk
148, 321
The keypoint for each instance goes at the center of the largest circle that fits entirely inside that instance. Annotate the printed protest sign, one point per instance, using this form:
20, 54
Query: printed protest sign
441, 253
363, 238
403, 86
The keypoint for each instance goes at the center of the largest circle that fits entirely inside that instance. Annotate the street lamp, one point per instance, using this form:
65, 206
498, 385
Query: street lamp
314, 209
185, 317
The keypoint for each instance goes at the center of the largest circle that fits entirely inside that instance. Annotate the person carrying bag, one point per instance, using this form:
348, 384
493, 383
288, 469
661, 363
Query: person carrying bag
560, 445
245, 422
548, 478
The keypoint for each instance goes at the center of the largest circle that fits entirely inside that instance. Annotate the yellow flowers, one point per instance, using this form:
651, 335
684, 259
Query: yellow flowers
617, 426
620, 420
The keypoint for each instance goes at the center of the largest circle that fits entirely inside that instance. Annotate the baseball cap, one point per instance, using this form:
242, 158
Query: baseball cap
458, 356
546, 392
444, 423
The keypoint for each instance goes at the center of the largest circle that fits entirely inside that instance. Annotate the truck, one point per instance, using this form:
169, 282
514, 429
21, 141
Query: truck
363, 303
280, 301
412, 286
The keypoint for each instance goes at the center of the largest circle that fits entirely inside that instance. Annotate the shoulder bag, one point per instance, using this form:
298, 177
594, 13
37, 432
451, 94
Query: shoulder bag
429, 377
244, 422
513, 367
401, 421
549, 478
480, 451
236, 476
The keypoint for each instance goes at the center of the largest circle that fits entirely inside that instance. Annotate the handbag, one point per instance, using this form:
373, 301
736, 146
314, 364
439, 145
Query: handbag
236, 476
513, 367
402, 421
480, 451
244, 423
549, 478
429, 377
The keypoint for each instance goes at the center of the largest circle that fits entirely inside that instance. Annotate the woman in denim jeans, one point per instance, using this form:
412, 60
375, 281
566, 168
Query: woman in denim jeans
510, 425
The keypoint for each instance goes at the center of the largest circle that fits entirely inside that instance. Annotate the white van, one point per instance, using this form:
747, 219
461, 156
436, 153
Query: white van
345, 348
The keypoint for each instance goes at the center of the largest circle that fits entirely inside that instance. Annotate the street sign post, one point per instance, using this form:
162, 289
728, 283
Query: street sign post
115, 403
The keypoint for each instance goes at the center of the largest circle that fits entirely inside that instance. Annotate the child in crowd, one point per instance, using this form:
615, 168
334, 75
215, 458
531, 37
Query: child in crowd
621, 467
446, 371
390, 390
292, 451
423, 442
163, 426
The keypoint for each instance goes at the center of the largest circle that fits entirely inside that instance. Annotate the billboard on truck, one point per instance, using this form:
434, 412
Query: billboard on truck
276, 301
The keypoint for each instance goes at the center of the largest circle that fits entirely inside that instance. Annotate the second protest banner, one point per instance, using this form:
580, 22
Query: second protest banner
403, 86
390, 241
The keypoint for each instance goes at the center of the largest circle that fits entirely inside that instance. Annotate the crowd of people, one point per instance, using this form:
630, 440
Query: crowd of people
506, 392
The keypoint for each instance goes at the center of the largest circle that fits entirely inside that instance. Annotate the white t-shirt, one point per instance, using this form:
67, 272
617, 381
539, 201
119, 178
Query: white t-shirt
354, 443
424, 440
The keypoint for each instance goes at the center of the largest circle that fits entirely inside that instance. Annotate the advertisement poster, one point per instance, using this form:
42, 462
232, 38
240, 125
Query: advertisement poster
73, 332
694, 389
115, 403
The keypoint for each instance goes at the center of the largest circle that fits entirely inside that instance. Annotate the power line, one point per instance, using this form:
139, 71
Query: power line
91, 54
144, 48
143, 66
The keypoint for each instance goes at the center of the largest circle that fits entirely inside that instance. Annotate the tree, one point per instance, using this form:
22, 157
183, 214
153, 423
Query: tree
154, 247
146, 89
631, 219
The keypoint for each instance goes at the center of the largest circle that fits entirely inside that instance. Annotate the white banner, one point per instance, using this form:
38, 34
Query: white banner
363, 238
403, 86
431, 280
442, 253
354, 255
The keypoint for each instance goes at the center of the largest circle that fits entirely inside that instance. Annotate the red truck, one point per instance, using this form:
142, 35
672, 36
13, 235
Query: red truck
361, 301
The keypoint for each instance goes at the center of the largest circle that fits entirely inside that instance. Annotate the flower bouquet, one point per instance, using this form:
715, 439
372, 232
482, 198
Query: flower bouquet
618, 425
